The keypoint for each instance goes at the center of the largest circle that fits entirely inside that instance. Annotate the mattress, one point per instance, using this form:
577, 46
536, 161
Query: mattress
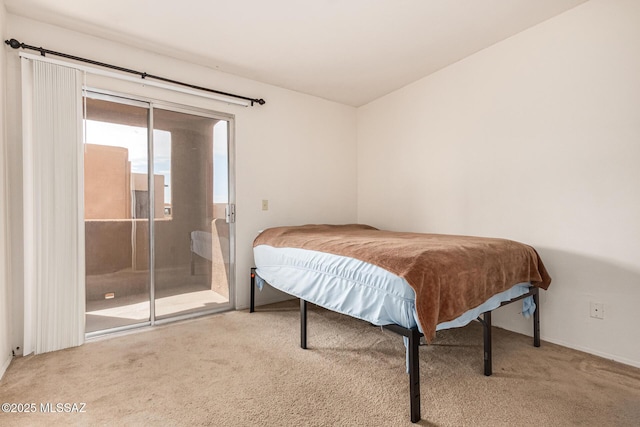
358, 289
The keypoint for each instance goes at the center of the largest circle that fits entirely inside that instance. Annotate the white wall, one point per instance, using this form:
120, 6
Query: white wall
297, 151
537, 139
5, 304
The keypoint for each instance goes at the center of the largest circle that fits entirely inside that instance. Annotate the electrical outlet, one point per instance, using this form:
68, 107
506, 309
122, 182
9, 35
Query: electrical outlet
265, 205
597, 310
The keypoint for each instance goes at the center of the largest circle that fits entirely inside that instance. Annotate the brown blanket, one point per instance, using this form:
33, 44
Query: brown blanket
449, 274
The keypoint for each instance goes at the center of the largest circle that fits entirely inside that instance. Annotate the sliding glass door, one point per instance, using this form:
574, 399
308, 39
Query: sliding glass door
116, 228
191, 237
158, 245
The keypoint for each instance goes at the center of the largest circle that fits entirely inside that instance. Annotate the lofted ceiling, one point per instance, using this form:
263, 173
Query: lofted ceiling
349, 51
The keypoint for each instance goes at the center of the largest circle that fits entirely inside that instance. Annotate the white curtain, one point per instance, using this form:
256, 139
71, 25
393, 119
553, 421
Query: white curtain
53, 163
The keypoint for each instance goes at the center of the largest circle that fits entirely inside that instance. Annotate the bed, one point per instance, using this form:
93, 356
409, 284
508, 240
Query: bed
410, 283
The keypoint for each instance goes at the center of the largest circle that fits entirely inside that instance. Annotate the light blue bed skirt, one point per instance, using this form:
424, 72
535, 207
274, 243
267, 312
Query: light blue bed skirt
358, 289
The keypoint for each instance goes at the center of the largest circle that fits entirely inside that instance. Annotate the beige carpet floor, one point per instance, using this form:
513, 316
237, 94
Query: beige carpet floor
241, 369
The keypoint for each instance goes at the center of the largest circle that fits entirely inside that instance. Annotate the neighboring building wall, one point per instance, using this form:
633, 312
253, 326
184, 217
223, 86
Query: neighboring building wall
107, 182
141, 185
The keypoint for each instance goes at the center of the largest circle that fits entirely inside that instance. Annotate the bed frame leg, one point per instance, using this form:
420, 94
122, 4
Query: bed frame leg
252, 301
303, 323
486, 326
536, 318
414, 374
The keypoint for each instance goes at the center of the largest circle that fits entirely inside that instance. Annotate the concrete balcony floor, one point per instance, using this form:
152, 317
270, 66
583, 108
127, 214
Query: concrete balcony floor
177, 293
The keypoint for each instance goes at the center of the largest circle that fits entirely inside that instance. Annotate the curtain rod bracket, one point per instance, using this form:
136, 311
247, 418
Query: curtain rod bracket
15, 44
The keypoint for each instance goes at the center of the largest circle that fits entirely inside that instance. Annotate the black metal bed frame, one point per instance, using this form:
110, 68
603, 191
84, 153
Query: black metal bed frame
414, 335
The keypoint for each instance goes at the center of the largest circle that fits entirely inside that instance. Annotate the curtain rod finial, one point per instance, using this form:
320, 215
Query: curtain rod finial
13, 43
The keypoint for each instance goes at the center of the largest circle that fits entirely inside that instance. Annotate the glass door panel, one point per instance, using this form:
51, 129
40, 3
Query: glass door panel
191, 235
116, 214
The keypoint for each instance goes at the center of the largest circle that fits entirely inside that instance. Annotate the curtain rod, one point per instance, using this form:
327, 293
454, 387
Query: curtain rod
15, 44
